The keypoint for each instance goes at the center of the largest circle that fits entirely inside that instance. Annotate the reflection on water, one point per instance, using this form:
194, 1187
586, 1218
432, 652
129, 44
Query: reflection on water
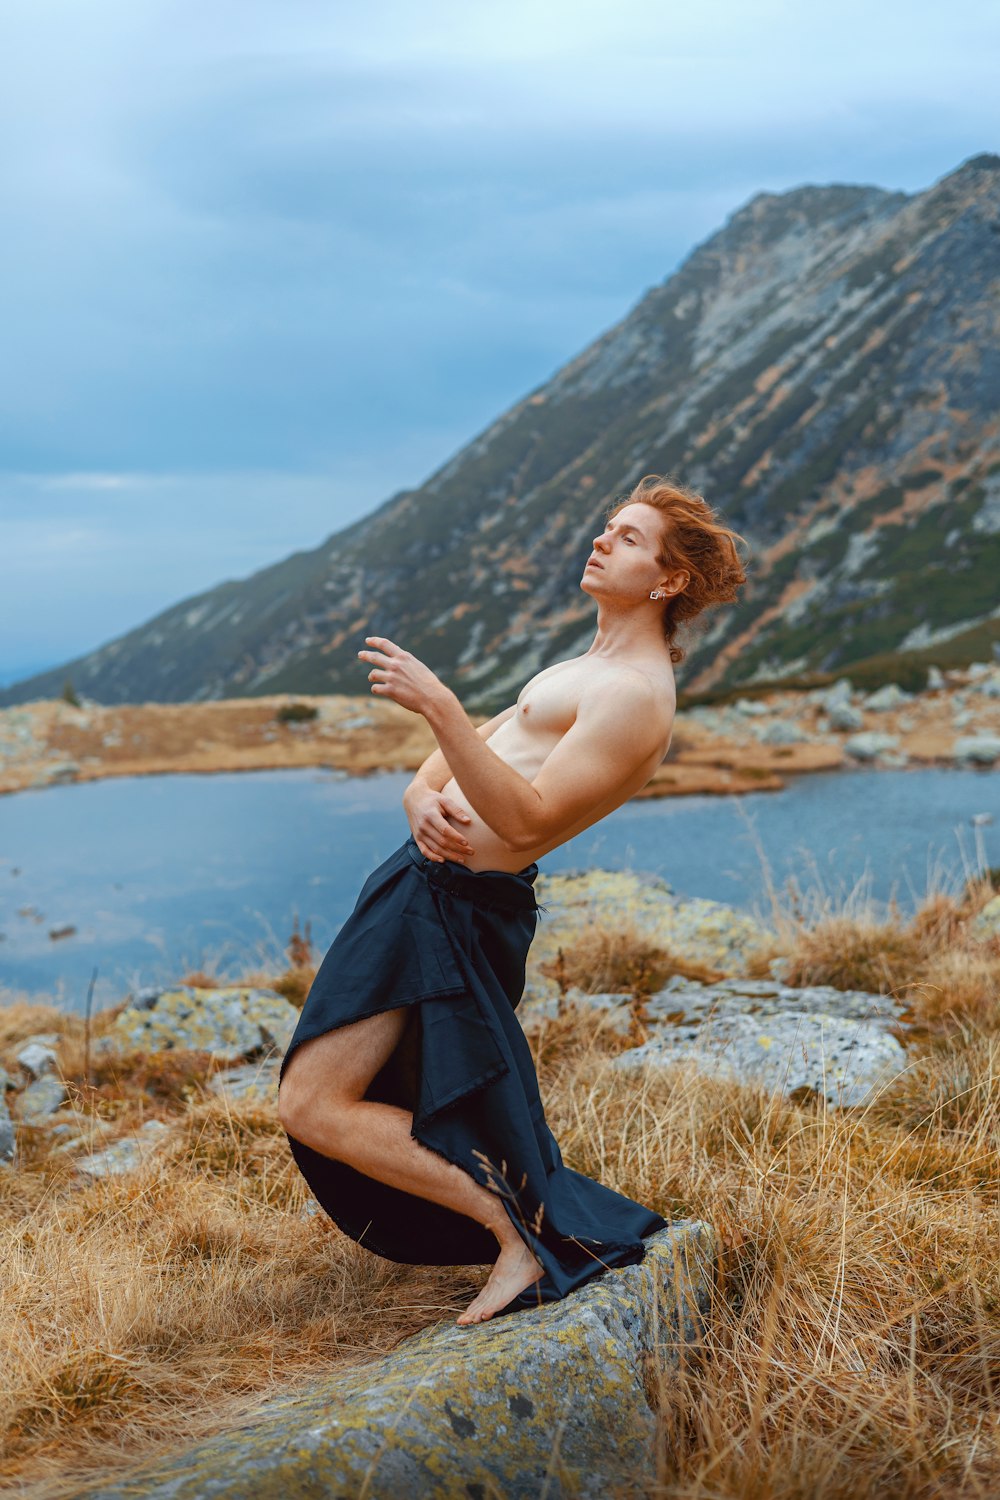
162, 875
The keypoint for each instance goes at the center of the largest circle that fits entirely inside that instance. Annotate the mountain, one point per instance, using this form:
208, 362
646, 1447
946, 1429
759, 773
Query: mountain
825, 369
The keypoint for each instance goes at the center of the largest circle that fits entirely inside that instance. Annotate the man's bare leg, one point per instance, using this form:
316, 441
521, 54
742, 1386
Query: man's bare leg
320, 1103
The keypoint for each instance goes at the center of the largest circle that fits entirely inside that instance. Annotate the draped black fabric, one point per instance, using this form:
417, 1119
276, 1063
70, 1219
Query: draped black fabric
451, 944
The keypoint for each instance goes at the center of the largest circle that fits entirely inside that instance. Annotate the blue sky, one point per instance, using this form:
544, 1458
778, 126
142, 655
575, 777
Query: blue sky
262, 265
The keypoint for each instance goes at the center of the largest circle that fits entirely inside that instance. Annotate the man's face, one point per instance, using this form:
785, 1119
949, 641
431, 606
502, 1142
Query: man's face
624, 559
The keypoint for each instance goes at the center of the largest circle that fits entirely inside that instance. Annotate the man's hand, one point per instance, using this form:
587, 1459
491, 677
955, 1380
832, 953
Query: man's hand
428, 812
399, 675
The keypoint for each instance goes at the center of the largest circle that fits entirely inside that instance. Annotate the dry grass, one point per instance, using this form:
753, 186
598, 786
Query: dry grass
146, 1309
617, 959
854, 1343
853, 1346
948, 981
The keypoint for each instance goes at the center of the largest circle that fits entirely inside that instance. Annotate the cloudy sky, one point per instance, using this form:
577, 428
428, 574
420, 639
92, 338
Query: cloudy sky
262, 265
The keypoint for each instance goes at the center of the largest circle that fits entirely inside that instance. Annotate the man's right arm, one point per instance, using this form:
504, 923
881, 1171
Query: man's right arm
435, 772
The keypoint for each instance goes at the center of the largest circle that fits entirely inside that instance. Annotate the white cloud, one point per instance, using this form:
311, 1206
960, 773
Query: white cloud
83, 483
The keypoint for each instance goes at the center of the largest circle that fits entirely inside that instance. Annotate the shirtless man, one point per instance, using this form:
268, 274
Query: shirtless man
583, 737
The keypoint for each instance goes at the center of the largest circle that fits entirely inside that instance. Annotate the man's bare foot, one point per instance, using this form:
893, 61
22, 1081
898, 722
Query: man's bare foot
516, 1269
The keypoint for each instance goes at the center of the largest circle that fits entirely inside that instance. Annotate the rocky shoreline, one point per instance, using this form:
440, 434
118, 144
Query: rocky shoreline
748, 744
743, 1020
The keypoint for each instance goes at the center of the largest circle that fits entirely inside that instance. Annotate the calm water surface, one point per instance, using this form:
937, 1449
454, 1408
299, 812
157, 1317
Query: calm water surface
161, 875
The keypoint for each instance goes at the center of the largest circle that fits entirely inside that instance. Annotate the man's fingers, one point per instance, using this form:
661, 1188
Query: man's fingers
454, 809
445, 843
452, 839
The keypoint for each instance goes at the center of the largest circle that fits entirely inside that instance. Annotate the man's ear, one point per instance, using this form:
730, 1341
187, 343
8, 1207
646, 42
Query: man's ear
676, 582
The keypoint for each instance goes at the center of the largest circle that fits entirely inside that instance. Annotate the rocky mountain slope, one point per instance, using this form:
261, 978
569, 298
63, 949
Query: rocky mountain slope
825, 368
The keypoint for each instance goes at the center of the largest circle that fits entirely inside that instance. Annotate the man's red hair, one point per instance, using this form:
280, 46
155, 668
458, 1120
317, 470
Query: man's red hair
692, 537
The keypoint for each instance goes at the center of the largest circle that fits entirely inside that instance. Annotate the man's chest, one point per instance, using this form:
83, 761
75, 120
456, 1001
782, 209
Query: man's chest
547, 705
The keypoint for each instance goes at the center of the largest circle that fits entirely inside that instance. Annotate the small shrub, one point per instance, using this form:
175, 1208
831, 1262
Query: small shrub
199, 980
619, 960
299, 950
297, 979
939, 922
69, 693
126, 1084
856, 955
295, 985
81, 1385
296, 713
958, 989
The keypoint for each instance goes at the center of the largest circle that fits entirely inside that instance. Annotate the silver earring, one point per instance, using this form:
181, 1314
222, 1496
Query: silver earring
655, 594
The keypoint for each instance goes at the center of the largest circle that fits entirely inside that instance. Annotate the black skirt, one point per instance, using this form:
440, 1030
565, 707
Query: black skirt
451, 944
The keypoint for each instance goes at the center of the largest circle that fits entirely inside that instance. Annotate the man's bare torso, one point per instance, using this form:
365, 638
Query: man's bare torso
546, 708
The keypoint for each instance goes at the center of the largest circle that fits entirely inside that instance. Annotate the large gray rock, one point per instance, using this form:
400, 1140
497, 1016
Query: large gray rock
846, 1061
76, 1131
870, 744
760, 1031
889, 696
124, 1155
257, 1081
782, 732
614, 1007
689, 1001
986, 923
837, 696
7, 1135
984, 749
40, 1099
547, 1401
845, 716
37, 1054
707, 932
232, 1022
683, 1001
751, 707
56, 772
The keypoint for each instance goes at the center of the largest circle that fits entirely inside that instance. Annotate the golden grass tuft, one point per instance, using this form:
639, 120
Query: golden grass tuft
946, 979
853, 953
295, 983
88, 1385
620, 959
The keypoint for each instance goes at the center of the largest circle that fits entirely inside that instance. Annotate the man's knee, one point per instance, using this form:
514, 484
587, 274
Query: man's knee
312, 1081
322, 1122
289, 1105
